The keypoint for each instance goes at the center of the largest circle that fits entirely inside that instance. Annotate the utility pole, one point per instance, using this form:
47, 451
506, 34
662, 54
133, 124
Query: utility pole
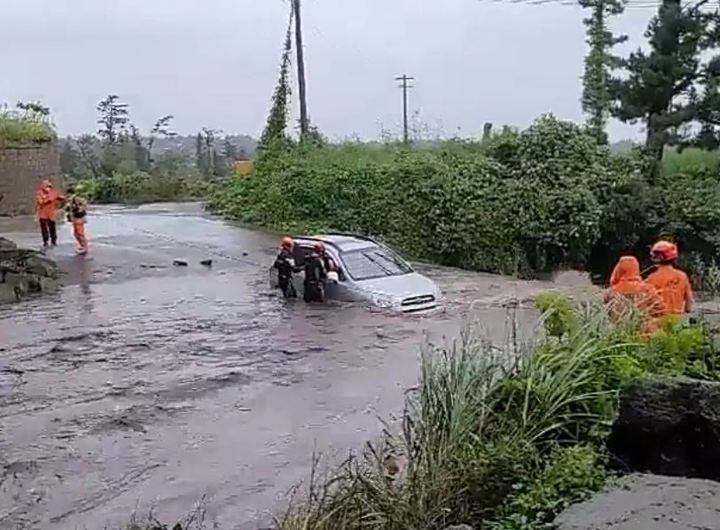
304, 125
405, 80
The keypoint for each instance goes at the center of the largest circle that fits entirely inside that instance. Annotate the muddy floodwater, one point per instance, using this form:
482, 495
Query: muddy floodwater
147, 386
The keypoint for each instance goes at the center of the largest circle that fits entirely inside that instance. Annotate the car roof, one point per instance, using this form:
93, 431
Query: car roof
342, 242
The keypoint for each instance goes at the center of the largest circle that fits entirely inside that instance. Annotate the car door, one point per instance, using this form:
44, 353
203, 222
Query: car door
344, 289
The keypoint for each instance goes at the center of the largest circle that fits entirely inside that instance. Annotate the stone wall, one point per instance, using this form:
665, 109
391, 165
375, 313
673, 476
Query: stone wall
21, 170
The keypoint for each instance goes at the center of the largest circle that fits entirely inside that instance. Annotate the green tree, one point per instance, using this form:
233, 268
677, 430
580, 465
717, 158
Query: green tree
200, 156
69, 157
162, 129
708, 133
89, 156
660, 88
114, 118
230, 151
599, 62
276, 127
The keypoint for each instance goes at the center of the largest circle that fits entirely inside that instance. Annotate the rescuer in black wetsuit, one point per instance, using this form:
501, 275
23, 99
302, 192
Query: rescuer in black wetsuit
285, 265
315, 275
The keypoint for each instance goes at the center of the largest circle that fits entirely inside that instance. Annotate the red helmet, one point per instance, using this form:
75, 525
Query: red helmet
319, 247
287, 243
664, 251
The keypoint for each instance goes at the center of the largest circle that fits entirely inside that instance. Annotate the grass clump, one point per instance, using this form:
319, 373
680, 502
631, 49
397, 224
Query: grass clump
28, 124
499, 438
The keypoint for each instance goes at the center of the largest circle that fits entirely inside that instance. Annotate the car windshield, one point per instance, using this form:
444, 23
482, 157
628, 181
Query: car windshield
373, 262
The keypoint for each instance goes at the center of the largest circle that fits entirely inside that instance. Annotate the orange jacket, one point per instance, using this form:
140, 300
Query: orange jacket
627, 287
674, 288
47, 200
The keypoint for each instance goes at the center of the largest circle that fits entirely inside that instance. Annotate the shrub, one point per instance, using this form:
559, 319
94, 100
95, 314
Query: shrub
18, 128
142, 187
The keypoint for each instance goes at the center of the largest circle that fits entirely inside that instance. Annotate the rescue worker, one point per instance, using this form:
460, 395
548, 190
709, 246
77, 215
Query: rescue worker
325, 257
285, 265
627, 290
76, 212
315, 275
47, 201
671, 283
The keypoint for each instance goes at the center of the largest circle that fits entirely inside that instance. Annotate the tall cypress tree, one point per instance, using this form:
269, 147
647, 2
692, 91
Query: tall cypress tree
275, 129
599, 62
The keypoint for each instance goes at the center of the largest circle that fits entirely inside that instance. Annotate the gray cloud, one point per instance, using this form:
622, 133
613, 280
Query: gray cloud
214, 62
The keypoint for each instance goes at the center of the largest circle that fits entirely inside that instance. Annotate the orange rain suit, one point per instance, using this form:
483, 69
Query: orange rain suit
674, 288
626, 285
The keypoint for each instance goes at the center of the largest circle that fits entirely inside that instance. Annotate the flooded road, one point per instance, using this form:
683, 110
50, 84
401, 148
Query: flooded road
146, 386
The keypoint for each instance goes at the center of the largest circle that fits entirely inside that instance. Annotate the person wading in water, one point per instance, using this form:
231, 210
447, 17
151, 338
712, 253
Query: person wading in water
285, 265
315, 275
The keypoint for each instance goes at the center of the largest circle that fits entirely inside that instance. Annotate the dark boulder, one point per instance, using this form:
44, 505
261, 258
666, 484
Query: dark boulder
24, 272
668, 427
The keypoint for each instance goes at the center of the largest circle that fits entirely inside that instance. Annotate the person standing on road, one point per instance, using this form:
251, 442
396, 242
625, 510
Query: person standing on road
315, 275
47, 201
671, 283
76, 211
285, 265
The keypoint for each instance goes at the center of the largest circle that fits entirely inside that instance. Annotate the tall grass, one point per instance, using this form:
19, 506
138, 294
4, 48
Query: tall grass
480, 427
500, 438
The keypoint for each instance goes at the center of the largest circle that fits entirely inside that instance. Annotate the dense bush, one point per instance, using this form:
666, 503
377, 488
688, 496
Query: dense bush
501, 444
503, 208
523, 202
141, 187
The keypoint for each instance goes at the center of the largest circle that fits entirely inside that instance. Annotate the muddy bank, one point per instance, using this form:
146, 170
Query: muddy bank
145, 385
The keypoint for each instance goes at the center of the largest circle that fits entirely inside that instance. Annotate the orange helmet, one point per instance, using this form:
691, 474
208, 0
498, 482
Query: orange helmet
664, 251
287, 243
319, 247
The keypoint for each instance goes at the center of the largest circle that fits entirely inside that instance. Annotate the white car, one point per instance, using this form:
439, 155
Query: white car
367, 271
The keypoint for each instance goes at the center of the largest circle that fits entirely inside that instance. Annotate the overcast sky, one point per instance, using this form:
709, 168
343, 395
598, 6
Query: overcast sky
214, 62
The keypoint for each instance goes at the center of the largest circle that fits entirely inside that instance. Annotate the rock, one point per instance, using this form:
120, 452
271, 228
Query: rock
669, 427
24, 272
6, 244
206, 263
644, 502
180, 263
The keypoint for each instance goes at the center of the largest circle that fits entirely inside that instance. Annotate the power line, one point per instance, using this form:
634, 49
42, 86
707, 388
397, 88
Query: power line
405, 80
633, 4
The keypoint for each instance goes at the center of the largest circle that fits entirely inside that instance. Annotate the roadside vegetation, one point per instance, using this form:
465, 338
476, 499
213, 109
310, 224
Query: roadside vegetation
26, 124
500, 438
122, 164
521, 202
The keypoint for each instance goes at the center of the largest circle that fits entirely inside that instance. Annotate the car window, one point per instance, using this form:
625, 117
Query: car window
373, 262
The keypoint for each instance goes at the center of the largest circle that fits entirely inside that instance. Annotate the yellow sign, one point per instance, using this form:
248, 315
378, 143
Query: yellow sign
243, 167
